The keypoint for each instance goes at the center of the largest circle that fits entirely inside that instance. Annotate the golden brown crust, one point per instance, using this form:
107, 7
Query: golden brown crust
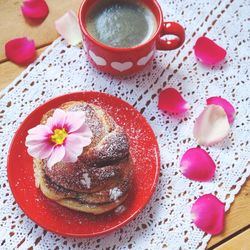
77, 204
93, 209
56, 192
103, 167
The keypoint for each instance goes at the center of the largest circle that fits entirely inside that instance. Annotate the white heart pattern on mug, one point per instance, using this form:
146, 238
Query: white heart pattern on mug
121, 66
97, 59
144, 60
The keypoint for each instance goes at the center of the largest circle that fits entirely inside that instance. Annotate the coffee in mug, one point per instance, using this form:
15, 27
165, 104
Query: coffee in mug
121, 36
121, 23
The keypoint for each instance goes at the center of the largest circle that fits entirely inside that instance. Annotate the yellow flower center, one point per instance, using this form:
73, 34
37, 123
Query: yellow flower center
59, 136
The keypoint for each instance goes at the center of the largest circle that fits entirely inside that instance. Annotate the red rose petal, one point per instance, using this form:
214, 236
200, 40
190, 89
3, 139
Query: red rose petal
20, 50
208, 214
208, 52
227, 106
170, 100
196, 164
35, 9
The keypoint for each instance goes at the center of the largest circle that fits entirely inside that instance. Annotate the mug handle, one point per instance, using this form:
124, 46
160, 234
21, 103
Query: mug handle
171, 28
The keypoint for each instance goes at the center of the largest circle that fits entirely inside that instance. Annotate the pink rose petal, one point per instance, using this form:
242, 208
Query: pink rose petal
227, 106
35, 9
208, 214
20, 51
196, 164
67, 26
170, 100
208, 52
211, 126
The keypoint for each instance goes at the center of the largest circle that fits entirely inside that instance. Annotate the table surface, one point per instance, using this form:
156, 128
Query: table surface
237, 230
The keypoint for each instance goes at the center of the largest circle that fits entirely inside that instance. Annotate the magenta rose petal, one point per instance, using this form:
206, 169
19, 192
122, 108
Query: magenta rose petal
21, 50
42, 130
208, 214
196, 164
208, 52
227, 106
35, 9
170, 100
211, 126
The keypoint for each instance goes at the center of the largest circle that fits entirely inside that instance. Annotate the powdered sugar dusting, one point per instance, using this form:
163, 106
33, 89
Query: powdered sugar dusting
107, 174
68, 70
120, 209
115, 193
86, 180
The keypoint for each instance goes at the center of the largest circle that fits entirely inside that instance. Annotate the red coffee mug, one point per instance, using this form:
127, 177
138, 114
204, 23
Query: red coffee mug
125, 61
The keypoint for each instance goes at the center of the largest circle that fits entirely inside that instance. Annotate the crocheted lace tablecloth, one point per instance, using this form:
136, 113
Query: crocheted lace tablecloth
166, 221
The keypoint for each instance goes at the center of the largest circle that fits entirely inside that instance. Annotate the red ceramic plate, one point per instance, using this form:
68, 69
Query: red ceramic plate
55, 218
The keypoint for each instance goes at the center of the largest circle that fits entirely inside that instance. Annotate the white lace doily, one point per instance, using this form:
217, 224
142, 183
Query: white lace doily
166, 221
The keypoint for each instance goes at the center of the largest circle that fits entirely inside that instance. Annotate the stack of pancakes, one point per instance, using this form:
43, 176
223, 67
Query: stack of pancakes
100, 179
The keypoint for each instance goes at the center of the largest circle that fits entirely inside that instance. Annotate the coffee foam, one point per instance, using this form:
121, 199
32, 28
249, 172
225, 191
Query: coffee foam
98, 21
152, 24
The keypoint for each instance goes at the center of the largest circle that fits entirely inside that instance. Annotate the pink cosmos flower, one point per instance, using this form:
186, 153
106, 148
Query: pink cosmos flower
62, 138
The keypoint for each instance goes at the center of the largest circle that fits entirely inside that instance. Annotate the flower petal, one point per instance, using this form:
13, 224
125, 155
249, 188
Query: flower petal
34, 139
20, 50
170, 100
74, 120
38, 135
75, 135
57, 120
37, 142
211, 126
208, 214
67, 26
40, 130
208, 52
74, 146
196, 164
84, 131
40, 150
227, 106
56, 156
35, 9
